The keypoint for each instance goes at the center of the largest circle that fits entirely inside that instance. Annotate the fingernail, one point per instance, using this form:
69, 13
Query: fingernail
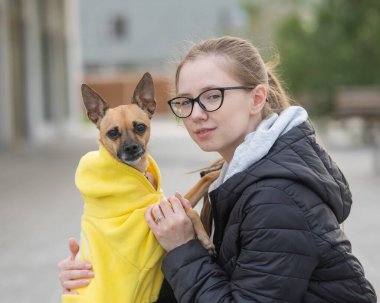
91, 273
178, 194
88, 266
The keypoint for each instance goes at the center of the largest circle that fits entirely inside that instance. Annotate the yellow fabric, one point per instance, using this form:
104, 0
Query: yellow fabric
116, 239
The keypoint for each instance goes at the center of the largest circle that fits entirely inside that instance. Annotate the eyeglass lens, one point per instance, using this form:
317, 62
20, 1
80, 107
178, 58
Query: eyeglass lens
209, 100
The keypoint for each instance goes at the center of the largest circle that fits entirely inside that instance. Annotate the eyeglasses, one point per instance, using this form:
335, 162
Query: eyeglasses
210, 100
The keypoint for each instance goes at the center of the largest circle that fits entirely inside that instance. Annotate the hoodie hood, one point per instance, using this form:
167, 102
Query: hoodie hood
289, 152
258, 143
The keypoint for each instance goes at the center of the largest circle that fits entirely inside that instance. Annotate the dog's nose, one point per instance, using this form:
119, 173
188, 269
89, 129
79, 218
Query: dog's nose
130, 151
131, 148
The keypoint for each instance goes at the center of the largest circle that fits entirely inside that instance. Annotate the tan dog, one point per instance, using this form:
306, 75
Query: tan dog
125, 132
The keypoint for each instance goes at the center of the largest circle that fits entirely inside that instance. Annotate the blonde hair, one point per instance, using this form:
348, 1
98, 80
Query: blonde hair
246, 65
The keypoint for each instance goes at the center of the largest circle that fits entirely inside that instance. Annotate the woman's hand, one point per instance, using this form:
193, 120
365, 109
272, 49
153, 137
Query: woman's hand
169, 222
73, 273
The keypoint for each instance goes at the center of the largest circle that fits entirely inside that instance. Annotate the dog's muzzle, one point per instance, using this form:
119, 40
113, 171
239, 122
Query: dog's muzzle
130, 152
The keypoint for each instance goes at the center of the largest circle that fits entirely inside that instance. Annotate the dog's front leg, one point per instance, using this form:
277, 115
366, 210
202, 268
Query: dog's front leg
201, 187
200, 231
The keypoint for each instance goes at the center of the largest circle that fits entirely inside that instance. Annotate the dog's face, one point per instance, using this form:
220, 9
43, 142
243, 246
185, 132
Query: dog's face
124, 130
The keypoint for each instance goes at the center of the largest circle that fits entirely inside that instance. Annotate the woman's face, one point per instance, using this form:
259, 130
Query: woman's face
223, 130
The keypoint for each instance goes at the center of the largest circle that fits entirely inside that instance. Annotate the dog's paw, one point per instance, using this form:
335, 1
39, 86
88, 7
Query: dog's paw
211, 249
208, 245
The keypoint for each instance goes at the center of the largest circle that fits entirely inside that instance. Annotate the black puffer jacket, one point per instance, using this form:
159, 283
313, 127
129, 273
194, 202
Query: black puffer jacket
277, 234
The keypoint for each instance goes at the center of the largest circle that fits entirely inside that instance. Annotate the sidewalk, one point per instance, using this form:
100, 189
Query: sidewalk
40, 207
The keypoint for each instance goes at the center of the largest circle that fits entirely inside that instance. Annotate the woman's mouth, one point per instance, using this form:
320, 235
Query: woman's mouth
204, 133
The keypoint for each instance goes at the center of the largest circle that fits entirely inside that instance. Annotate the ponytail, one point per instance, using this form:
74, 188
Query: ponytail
277, 100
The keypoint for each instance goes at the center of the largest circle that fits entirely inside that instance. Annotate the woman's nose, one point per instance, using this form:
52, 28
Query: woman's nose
198, 112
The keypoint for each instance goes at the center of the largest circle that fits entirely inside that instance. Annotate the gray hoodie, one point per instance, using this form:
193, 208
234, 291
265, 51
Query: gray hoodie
261, 141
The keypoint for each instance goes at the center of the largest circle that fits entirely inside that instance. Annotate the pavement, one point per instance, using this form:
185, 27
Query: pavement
40, 207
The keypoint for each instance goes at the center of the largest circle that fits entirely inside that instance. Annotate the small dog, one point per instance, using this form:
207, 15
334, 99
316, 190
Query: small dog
117, 183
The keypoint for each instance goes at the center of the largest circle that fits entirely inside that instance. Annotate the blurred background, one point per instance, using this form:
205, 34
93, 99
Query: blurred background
329, 55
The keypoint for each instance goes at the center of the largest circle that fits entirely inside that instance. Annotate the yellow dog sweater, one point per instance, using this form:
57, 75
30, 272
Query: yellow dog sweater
115, 238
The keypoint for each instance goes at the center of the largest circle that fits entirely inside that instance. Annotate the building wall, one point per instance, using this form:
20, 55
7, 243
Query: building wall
13, 61
5, 104
37, 73
122, 39
128, 34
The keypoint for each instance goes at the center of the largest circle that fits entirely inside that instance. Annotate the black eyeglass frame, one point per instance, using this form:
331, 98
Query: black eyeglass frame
197, 99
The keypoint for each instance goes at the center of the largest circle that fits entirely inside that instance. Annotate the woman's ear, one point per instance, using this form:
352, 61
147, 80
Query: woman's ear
259, 96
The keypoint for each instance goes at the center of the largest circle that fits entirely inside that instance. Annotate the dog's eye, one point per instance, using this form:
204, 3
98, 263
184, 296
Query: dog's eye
140, 128
113, 134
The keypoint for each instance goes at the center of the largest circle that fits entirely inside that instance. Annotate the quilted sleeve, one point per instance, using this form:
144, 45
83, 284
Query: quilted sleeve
274, 264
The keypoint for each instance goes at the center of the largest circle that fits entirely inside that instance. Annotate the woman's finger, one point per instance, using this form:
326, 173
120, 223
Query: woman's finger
185, 203
150, 220
166, 207
157, 213
68, 264
176, 205
74, 284
76, 275
74, 248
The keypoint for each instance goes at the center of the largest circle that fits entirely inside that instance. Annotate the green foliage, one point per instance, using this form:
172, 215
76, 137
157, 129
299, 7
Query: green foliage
340, 46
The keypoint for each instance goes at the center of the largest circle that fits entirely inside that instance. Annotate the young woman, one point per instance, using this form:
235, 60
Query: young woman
277, 205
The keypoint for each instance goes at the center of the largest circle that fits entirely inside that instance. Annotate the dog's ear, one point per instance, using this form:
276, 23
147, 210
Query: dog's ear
95, 106
144, 95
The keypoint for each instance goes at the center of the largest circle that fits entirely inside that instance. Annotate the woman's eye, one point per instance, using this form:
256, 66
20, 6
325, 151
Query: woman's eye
213, 97
186, 102
140, 128
113, 134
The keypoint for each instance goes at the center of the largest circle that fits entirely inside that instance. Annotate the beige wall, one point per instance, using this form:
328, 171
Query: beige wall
118, 88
